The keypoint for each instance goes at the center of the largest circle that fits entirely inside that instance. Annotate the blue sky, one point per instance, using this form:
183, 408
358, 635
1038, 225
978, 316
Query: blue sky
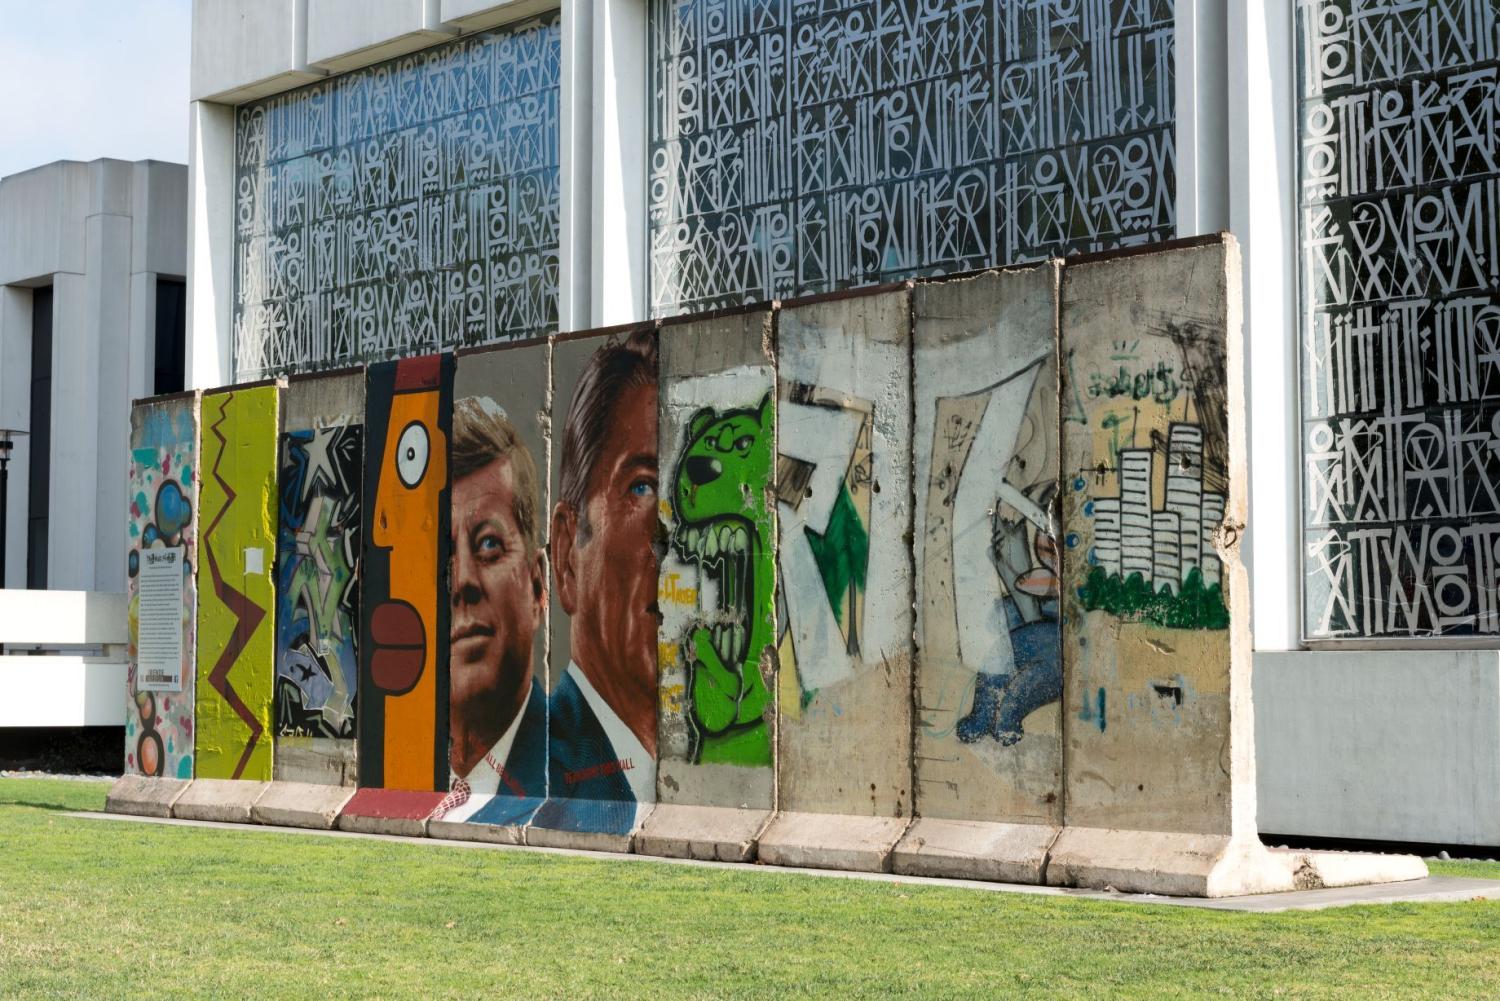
81, 79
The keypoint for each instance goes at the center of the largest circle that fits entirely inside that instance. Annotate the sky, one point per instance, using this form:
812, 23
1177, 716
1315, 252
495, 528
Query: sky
82, 79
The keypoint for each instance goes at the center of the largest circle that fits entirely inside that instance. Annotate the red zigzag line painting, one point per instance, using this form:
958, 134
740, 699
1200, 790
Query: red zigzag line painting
247, 613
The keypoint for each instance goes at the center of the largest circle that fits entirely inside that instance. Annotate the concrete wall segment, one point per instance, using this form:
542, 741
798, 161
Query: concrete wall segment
844, 513
989, 676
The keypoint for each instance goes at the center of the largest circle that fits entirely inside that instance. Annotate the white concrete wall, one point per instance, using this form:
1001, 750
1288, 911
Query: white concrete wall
342, 34
100, 234
244, 49
1384, 745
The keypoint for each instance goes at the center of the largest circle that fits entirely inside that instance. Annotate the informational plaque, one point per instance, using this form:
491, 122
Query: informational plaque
159, 646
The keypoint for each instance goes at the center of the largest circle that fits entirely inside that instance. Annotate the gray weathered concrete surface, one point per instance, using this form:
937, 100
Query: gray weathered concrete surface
497, 834
225, 800
589, 841
144, 797
974, 849
710, 833
845, 649
831, 841
301, 804
989, 663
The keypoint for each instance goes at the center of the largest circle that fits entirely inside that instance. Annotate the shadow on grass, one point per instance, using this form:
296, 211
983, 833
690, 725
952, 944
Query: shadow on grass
52, 794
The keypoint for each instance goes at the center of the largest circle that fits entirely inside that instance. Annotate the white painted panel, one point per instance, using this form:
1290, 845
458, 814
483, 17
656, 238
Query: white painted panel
62, 618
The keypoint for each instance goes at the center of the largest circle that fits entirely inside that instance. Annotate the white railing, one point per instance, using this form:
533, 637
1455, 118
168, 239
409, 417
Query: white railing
62, 658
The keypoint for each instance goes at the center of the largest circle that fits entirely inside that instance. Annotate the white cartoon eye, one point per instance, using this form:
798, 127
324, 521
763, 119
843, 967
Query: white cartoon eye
411, 454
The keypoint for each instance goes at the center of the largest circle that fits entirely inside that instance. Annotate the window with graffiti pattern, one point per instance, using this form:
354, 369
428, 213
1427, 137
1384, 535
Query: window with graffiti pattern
405, 208
801, 146
1400, 329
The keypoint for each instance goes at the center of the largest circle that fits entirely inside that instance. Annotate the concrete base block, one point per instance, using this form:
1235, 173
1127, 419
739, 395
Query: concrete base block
1325, 870
494, 834
224, 801
1178, 865
588, 841
971, 849
300, 804
143, 797
831, 841
402, 812
707, 833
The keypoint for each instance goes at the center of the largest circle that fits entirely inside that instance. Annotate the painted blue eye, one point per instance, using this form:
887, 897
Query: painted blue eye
641, 488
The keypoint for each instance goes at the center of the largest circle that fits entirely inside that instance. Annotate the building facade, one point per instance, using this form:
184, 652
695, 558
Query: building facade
379, 179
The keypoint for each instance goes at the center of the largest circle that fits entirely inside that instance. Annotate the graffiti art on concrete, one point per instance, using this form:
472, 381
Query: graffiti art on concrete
237, 605
1400, 193
845, 650
317, 581
163, 524
723, 527
403, 641
799, 147
602, 710
410, 206
990, 674
827, 531
1149, 529
497, 715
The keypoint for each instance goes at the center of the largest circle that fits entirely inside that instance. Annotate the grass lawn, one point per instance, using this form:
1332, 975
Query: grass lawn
101, 909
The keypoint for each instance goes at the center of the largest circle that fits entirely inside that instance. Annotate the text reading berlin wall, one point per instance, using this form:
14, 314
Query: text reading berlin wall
1400, 229
801, 147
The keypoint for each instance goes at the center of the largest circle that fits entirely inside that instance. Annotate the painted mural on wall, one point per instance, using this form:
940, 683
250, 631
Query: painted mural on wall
497, 747
602, 708
237, 600
1400, 193
404, 614
990, 676
411, 206
722, 526
717, 639
844, 612
805, 147
318, 549
1147, 525
162, 588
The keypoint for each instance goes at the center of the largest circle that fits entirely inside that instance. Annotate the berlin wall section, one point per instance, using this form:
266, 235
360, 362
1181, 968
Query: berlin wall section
940, 578
499, 594
716, 588
318, 550
989, 659
161, 560
844, 646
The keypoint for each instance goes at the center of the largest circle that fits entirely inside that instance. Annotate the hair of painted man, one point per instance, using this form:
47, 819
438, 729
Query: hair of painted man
612, 370
482, 434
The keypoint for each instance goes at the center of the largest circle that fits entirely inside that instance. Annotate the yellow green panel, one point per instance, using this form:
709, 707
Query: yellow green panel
236, 605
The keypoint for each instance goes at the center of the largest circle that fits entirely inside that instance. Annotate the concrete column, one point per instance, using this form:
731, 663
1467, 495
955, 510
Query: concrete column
620, 100
140, 380
576, 158
1202, 136
210, 251
74, 484
1262, 172
15, 412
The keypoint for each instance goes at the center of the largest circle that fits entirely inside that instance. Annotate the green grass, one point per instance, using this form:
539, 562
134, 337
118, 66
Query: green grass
111, 909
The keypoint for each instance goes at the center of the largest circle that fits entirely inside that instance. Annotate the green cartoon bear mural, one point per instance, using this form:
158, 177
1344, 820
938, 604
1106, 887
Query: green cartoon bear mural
724, 527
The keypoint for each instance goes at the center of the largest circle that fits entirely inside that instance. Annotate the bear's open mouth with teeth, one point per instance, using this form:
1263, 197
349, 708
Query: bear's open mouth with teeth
724, 552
